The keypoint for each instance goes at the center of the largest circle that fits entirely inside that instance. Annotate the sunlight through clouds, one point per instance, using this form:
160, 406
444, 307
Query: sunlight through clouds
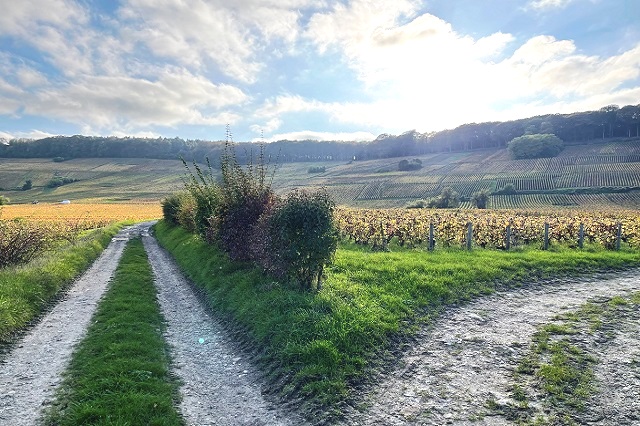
303, 67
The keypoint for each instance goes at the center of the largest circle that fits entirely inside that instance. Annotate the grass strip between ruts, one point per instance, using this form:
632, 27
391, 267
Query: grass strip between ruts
26, 290
119, 373
322, 344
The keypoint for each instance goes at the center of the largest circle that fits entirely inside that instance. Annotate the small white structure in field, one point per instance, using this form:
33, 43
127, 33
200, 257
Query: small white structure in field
65, 202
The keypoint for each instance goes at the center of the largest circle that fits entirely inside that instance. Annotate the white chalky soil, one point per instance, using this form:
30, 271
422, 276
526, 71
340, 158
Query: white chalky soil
30, 373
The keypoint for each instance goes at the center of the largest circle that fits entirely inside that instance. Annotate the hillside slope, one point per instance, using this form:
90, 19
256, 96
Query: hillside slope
594, 175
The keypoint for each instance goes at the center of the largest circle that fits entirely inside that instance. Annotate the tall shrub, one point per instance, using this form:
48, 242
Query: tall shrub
302, 237
170, 207
206, 192
447, 199
245, 197
480, 199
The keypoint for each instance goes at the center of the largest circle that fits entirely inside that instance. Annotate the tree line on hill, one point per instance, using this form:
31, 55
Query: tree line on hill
608, 122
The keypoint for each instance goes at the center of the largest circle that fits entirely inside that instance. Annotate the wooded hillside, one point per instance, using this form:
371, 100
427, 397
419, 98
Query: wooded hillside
608, 122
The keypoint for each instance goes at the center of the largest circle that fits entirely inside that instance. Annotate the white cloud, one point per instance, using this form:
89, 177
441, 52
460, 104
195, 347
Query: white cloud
24, 17
350, 26
423, 74
268, 127
29, 77
323, 136
231, 35
548, 4
32, 134
143, 134
289, 103
175, 97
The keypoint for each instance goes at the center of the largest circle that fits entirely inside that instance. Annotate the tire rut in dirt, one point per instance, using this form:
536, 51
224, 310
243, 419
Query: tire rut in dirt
31, 370
220, 386
466, 358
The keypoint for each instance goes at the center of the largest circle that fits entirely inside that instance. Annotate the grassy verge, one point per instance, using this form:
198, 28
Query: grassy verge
119, 373
26, 290
322, 344
558, 369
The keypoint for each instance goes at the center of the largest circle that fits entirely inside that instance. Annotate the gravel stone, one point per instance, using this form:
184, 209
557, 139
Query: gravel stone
465, 359
221, 386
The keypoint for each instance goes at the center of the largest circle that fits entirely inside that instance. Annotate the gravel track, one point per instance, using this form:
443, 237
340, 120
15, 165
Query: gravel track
460, 363
220, 385
467, 357
31, 371
617, 372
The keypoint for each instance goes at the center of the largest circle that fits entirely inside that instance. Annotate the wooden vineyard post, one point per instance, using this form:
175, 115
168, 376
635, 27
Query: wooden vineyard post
431, 241
469, 235
581, 236
507, 243
546, 236
618, 236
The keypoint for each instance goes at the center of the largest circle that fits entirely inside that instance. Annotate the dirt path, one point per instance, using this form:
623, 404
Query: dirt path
466, 358
220, 387
31, 371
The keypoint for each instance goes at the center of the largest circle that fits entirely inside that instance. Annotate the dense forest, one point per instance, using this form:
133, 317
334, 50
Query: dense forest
607, 122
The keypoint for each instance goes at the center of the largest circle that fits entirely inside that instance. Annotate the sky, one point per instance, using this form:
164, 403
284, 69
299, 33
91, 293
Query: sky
307, 69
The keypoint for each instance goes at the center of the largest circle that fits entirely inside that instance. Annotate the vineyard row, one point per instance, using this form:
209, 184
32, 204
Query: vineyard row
377, 228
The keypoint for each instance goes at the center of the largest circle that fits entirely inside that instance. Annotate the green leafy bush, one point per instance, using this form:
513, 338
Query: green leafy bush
406, 165
480, 199
27, 185
206, 193
507, 190
417, 204
535, 146
187, 212
246, 196
3, 200
59, 181
447, 199
292, 239
171, 207
302, 237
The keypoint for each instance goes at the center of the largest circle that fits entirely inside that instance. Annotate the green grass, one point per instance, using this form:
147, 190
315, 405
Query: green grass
26, 290
322, 344
119, 373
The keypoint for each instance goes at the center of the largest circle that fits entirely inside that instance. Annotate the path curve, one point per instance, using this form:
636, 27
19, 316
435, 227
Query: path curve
30, 372
220, 386
467, 357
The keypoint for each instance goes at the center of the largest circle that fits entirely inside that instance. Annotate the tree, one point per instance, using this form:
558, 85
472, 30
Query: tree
480, 199
610, 117
535, 146
448, 198
507, 190
27, 185
3, 200
406, 165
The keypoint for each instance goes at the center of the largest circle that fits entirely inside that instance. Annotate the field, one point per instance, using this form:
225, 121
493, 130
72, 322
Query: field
89, 214
383, 287
590, 176
410, 227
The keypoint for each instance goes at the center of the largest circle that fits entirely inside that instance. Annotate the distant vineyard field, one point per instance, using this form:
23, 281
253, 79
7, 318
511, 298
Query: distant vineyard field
603, 175
89, 215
